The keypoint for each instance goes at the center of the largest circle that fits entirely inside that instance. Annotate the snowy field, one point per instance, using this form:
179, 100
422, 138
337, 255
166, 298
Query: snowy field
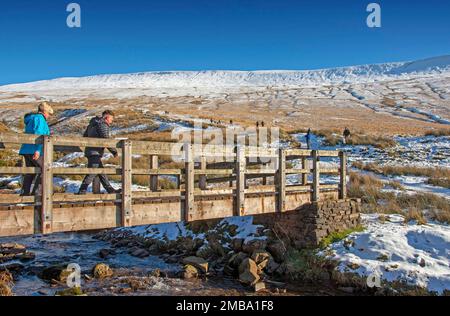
416, 254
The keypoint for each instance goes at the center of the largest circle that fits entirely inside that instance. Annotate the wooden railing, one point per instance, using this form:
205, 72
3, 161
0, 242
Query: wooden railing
235, 165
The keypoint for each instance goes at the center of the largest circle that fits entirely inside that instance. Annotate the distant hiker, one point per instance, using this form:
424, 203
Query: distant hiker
231, 122
308, 138
98, 128
35, 123
257, 124
262, 124
346, 134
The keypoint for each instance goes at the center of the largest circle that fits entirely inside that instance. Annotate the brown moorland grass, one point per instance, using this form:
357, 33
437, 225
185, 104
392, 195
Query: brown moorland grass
438, 132
334, 137
436, 176
417, 206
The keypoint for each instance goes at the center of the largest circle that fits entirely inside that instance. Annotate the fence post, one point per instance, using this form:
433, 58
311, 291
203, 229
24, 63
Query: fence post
126, 183
304, 175
154, 164
343, 175
202, 181
281, 180
241, 165
316, 176
189, 181
47, 187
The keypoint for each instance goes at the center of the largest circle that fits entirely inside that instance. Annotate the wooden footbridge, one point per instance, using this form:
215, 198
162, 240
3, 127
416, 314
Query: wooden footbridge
246, 171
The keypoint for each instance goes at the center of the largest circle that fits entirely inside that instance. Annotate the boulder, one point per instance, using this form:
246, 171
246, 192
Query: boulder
103, 253
278, 250
259, 286
74, 291
57, 272
236, 244
140, 253
5, 289
249, 246
190, 272
260, 256
236, 259
248, 272
6, 277
271, 266
200, 263
27, 256
205, 252
102, 271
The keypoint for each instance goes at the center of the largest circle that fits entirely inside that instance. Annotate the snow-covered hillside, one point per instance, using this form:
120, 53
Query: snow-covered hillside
204, 79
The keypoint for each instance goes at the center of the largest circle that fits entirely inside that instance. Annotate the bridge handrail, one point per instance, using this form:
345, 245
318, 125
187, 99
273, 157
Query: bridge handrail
196, 170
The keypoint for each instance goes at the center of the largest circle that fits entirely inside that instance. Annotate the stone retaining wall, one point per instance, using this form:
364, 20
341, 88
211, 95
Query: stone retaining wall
309, 224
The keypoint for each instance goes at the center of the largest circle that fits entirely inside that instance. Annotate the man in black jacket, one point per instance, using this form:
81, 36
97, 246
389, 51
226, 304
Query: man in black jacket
98, 128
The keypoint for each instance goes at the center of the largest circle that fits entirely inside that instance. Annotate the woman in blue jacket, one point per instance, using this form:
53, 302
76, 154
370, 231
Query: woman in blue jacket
35, 123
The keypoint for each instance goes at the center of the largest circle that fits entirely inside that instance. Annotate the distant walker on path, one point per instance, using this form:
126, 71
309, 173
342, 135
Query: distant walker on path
347, 135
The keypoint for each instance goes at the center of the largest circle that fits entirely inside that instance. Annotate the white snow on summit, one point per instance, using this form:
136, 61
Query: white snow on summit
223, 79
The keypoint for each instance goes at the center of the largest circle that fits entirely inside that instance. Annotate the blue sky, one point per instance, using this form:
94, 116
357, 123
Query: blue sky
151, 35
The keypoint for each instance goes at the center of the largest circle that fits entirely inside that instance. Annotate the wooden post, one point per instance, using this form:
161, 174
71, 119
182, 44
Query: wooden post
189, 182
47, 187
202, 181
343, 175
241, 165
281, 180
154, 164
304, 175
96, 189
316, 176
126, 183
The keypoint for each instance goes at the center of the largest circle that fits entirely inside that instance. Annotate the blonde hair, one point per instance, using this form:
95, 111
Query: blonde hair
45, 107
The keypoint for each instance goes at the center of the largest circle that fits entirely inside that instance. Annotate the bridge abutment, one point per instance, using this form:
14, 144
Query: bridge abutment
306, 226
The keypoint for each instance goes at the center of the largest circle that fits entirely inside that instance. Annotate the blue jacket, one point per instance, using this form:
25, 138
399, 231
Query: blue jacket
35, 123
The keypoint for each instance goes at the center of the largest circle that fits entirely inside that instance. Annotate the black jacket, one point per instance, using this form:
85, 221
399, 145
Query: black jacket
97, 129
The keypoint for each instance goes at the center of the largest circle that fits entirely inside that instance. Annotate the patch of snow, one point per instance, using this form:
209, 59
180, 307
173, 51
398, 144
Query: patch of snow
416, 254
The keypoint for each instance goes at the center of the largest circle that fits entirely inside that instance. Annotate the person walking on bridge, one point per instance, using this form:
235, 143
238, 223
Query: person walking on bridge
36, 124
99, 127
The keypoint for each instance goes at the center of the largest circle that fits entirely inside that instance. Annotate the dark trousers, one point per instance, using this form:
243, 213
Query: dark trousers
29, 178
95, 162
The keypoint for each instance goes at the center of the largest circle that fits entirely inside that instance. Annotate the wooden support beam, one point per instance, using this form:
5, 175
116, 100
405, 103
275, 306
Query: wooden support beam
189, 206
19, 170
202, 180
154, 164
240, 180
126, 183
304, 175
281, 181
316, 176
47, 186
343, 175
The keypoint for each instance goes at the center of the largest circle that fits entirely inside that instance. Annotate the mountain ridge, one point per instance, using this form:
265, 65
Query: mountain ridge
236, 78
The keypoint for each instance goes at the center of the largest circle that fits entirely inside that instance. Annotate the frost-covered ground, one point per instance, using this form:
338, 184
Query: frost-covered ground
393, 250
421, 152
245, 229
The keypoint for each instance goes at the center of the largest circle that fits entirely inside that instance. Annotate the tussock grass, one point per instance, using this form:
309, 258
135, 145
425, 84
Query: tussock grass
438, 132
334, 138
419, 206
338, 236
437, 176
9, 158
